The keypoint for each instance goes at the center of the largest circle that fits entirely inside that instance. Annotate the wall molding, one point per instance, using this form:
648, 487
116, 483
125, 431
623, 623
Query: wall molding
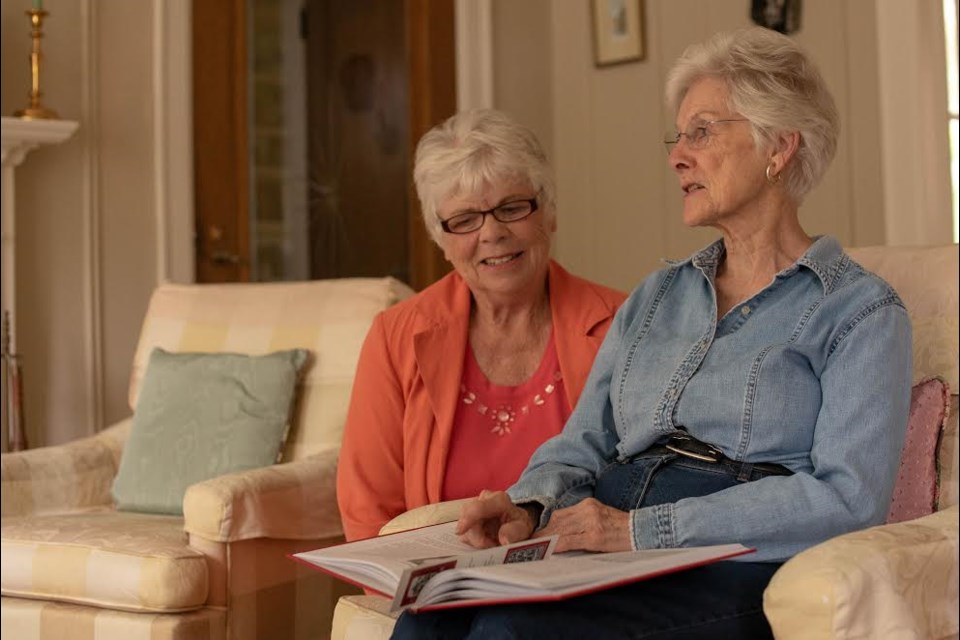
173, 139
474, 42
913, 108
90, 214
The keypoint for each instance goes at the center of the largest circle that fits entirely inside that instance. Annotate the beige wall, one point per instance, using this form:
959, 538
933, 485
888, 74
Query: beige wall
618, 201
86, 223
104, 217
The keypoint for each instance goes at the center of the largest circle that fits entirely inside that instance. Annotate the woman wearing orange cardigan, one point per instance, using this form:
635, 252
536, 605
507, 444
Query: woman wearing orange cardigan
457, 386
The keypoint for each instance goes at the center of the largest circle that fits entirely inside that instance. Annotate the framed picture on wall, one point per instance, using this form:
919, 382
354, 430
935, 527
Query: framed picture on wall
617, 31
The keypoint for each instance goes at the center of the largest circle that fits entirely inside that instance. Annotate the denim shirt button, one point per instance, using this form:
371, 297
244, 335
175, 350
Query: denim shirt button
744, 310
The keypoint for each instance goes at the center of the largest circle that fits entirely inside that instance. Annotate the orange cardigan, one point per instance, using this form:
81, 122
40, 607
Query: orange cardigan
404, 398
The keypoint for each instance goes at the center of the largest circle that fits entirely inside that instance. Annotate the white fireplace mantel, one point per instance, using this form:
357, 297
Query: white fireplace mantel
19, 137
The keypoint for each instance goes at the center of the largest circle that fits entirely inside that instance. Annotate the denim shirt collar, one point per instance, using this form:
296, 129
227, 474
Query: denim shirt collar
825, 258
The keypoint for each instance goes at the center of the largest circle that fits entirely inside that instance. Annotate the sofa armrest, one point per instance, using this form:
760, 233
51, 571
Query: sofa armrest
897, 580
424, 516
69, 477
290, 501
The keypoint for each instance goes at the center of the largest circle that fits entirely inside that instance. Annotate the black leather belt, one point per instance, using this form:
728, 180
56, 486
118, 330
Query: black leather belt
686, 445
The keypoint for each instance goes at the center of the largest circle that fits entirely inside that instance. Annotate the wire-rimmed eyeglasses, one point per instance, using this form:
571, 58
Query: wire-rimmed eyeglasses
468, 221
697, 134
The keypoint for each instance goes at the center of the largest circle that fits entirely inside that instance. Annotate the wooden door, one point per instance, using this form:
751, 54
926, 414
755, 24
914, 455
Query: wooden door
380, 74
359, 138
431, 50
220, 141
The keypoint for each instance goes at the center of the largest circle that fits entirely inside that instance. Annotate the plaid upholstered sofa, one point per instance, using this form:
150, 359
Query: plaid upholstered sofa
898, 580
74, 567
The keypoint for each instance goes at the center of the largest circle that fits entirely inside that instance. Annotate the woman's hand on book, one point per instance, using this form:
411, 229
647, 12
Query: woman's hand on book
589, 525
492, 520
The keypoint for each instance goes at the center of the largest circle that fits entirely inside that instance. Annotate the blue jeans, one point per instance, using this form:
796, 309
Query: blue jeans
721, 600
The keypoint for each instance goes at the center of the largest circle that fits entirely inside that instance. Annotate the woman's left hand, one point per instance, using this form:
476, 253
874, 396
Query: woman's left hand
589, 525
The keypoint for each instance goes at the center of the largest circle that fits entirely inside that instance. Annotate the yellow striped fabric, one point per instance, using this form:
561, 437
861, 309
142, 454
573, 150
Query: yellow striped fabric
74, 476
328, 317
290, 501
135, 562
24, 619
73, 568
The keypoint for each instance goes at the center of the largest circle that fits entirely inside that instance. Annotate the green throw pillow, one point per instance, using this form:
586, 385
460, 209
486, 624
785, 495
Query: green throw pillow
201, 415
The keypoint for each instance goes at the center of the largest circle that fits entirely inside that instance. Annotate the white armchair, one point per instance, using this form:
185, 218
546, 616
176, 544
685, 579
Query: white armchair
73, 567
896, 580
892, 581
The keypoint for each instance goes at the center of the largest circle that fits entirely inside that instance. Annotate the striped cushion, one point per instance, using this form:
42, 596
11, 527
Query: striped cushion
26, 619
136, 562
328, 317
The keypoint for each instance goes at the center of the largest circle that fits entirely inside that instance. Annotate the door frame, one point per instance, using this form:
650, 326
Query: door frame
431, 37
173, 149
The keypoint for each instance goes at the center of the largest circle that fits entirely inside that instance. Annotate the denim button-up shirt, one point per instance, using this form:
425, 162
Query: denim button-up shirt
813, 372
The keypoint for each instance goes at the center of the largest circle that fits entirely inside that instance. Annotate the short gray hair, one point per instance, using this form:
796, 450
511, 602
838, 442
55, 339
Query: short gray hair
774, 84
472, 149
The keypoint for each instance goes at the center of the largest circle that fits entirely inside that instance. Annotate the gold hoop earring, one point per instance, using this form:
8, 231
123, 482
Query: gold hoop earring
772, 179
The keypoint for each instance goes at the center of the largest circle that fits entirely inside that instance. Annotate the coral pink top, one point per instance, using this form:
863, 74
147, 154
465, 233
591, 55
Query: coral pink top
497, 428
396, 440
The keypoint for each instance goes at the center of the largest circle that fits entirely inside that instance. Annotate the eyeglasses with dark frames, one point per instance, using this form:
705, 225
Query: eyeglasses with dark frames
697, 134
470, 221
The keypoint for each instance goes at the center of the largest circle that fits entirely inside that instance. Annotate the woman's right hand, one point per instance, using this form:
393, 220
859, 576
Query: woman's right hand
492, 519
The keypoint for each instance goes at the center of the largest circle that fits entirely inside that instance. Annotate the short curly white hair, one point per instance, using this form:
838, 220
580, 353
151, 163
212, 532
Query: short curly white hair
472, 150
774, 84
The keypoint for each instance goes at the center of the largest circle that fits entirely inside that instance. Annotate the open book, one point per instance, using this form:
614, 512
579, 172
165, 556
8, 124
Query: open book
429, 568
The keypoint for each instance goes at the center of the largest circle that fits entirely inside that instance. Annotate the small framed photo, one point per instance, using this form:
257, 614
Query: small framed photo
617, 31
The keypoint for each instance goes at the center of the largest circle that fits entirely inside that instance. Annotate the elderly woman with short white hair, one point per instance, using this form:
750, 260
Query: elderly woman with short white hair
756, 392
458, 385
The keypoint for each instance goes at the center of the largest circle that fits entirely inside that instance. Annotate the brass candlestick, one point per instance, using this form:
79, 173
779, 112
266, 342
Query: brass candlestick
36, 110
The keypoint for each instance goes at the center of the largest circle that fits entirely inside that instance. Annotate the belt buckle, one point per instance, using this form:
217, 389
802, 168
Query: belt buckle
693, 448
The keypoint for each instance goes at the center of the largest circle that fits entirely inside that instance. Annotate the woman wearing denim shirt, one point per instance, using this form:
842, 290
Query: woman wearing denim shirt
756, 392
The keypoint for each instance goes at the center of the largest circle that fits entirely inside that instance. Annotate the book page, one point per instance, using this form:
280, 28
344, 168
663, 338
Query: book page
429, 568
563, 574
436, 541
380, 563
445, 570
